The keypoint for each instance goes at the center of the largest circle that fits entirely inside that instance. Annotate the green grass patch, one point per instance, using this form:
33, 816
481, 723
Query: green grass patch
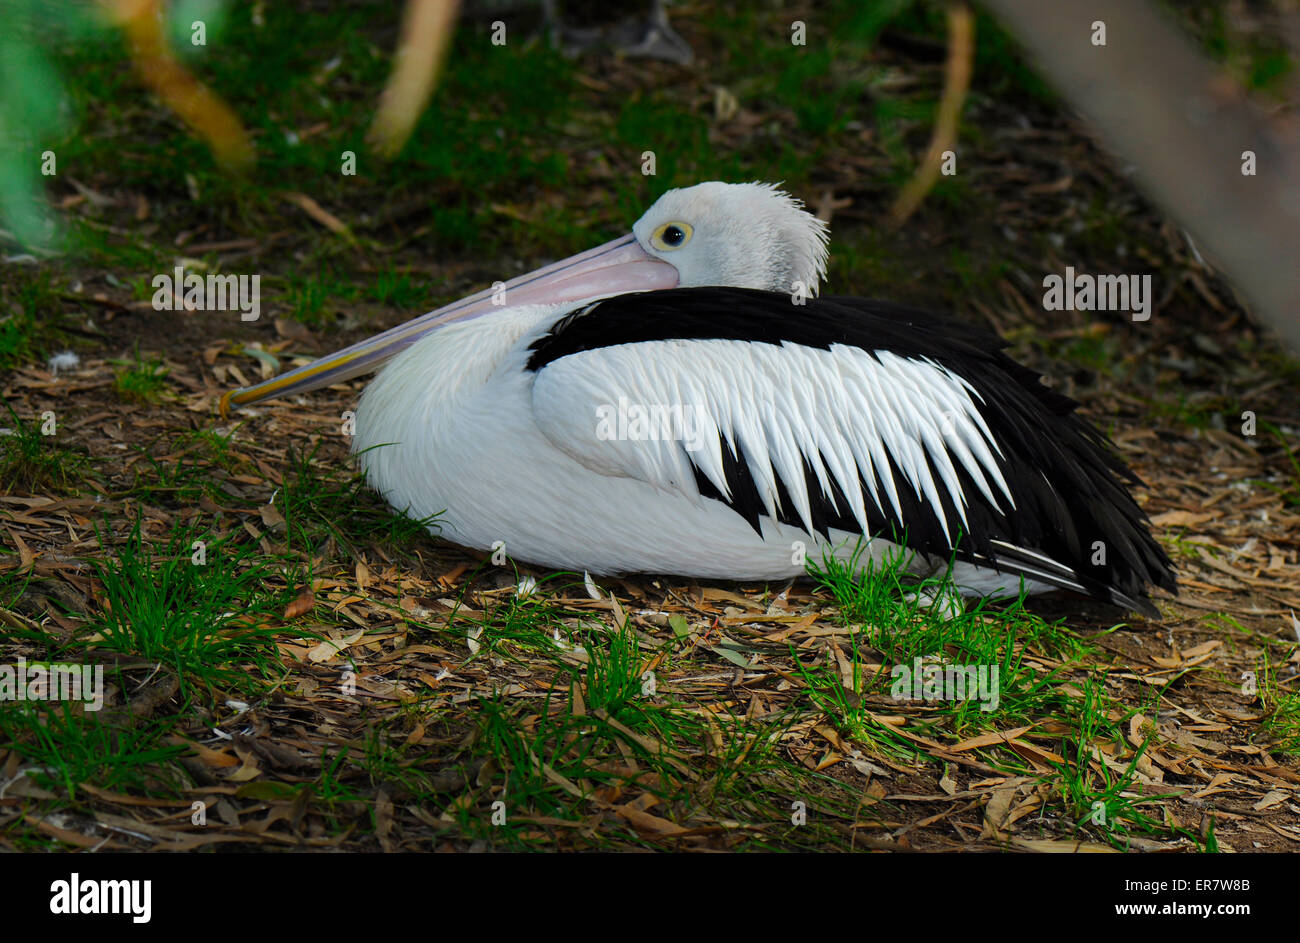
205, 606
398, 289
30, 312
179, 470
33, 461
1101, 800
900, 633
141, 379
68, 746
604, 727
981, 645
314, 299
321, 503
1289, 488
1281, 723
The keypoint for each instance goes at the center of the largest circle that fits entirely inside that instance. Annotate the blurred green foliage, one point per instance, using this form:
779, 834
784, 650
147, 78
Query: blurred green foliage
32, 109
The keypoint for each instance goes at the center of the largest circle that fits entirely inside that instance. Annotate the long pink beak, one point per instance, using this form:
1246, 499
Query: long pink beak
614, 268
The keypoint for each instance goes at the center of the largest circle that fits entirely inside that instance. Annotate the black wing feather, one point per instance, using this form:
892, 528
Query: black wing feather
1068, 484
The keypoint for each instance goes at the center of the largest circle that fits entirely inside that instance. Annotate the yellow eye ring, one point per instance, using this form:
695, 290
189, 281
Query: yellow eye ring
671, 236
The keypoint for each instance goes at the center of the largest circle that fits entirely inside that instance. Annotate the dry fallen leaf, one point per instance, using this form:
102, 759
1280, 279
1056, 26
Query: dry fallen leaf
645, 823
331, 647
1274, 798
997, 808
1067, 847
988, 739
273, 519
947, 784
300, 606
1180, 519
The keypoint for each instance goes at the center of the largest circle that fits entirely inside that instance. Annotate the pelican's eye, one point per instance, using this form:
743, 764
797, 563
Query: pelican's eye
671, 236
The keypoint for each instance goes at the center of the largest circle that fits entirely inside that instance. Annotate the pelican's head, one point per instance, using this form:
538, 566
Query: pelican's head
742, 235
739, 235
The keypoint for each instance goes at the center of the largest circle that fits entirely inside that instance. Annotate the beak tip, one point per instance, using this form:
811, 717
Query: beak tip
223, 407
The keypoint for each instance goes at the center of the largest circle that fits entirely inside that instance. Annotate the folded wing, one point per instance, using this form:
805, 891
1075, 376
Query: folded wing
846, 414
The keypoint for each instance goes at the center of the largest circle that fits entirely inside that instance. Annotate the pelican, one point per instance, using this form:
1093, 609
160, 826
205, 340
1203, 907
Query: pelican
682, 401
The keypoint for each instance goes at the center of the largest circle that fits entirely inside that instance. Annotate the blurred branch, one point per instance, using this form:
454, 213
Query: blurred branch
961, 55
205, 113
427, 27
1183, 125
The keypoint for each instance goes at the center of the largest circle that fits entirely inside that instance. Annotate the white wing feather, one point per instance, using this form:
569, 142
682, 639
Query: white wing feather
845, 412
